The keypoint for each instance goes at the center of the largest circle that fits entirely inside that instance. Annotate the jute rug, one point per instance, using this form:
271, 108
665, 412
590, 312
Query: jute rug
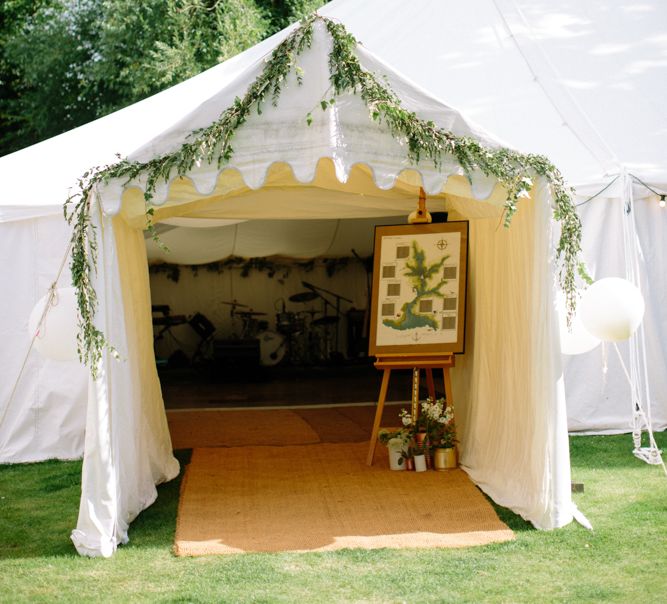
324, 497
234, 428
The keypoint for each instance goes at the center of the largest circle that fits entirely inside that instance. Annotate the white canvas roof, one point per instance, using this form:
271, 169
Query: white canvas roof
581, 82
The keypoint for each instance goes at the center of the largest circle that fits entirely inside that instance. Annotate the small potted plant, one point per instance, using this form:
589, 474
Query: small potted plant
433, 428
398, 444
420, 451
444, 441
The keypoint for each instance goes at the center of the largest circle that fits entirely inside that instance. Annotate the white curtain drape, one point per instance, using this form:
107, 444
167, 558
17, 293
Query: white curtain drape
508, 389
128, 447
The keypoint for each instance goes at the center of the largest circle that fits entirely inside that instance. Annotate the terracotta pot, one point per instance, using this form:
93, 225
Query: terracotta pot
420, 437
445, 459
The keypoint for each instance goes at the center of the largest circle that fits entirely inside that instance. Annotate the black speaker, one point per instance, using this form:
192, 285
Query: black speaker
201, 325
232, 357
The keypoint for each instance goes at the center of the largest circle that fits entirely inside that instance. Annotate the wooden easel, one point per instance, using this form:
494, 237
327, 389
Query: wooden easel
427, 362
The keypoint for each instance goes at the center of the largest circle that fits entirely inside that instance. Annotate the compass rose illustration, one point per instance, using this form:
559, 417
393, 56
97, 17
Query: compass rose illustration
441, 245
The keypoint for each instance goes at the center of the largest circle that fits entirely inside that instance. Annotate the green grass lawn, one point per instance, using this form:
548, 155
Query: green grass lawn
623, 560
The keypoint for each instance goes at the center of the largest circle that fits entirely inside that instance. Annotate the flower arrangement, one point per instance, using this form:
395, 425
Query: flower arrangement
435, 421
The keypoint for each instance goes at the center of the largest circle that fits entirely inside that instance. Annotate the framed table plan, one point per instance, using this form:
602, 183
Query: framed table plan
419, 289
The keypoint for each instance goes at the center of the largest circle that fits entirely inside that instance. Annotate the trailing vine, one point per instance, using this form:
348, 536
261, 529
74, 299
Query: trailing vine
213, 145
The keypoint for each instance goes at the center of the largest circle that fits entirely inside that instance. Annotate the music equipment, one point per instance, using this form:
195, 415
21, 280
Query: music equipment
303, 297
205, 330
201, 325
165, 323
272, 348
289, 322
236, 356
251, 326
325, 321
169, 320
357, 340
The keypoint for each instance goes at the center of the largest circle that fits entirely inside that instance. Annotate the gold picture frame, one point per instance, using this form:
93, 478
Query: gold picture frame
419, 289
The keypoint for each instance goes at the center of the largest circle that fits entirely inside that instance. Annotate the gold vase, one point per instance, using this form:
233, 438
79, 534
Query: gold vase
445, 459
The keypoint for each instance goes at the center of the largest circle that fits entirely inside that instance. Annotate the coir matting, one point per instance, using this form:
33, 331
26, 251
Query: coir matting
319, 497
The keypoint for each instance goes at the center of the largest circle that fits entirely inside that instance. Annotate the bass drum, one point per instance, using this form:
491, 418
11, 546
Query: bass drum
272, 348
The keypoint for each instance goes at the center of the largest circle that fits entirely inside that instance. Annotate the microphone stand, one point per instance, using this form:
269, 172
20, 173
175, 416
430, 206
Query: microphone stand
316, 289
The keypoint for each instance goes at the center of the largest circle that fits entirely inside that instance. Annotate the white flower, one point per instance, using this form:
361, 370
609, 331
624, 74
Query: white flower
406, 420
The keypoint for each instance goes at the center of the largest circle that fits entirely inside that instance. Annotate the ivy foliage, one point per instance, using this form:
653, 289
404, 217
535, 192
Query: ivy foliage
423, 140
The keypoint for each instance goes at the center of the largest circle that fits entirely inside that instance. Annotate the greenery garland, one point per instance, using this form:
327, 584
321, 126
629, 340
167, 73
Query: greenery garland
213, 144
271, 267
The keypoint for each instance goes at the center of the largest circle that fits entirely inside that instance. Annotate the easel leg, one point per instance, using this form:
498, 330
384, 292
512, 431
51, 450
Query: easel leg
378, 416
429, 383
448, 386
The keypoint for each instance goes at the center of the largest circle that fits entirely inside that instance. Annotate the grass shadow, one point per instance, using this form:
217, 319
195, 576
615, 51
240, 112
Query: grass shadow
156, 525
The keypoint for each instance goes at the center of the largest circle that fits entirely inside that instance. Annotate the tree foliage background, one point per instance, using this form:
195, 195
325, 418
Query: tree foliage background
64, 63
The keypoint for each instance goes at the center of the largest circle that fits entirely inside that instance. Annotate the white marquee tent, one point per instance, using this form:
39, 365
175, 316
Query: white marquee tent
496, 60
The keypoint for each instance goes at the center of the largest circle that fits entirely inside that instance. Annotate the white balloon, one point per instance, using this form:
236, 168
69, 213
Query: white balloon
56, 339
612, 309
575, 339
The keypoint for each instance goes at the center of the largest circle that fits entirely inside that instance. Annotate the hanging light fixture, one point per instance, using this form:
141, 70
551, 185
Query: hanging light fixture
662, 203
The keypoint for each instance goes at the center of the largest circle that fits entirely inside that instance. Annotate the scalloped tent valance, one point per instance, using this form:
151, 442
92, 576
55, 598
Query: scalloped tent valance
342, 133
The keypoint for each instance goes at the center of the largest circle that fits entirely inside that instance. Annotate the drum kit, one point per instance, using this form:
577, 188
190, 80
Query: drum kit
300, 337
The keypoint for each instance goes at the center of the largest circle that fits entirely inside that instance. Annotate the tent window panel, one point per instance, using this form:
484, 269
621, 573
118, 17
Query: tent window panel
393, 289
450, 272
449, 304
448, 323
388, 310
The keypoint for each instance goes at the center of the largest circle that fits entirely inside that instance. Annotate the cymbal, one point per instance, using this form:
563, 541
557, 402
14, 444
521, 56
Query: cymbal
303, 297
234, 303
325, 321
250, 313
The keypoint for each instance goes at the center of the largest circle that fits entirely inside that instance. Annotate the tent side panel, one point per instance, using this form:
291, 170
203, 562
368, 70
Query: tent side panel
507, 390
128, 449
46, 417
598, 393
153, 431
